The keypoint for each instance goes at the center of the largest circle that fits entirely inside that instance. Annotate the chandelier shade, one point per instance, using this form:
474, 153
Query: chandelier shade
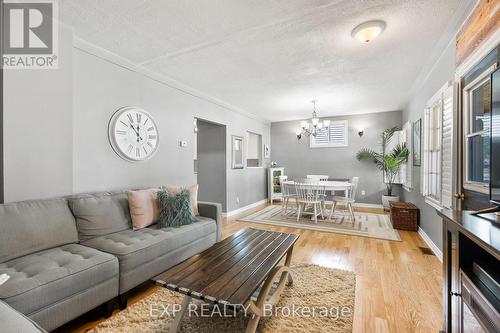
314, 126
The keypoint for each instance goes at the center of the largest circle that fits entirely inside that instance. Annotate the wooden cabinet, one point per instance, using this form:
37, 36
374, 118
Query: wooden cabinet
471, 251
274, 184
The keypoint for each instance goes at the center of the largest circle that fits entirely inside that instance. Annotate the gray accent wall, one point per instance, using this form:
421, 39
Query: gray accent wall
56, 129
211, 157
299, 159
442, 71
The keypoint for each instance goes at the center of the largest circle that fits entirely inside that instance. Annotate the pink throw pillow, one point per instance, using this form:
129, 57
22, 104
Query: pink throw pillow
143, 206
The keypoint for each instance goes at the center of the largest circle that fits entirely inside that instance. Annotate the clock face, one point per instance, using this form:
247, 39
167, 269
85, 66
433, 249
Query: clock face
133, 134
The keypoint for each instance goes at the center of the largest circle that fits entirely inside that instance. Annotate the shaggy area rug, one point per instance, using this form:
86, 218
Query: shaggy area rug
365, 224
320, 300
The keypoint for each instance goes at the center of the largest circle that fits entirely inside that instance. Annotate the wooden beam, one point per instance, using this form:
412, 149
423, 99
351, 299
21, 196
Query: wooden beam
483, 22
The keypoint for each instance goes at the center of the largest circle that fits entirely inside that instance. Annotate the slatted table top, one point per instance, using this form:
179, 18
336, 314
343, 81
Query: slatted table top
230, 271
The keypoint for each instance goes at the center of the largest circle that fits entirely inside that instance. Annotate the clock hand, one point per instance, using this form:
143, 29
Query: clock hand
136, 132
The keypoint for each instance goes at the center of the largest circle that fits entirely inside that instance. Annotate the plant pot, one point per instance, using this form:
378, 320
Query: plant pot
388, 198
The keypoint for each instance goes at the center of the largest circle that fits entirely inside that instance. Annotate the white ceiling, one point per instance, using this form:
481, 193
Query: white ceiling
271, 58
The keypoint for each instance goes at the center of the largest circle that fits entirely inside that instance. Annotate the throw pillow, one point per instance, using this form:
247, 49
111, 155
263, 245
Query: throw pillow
143, 207
193, 190
175, 209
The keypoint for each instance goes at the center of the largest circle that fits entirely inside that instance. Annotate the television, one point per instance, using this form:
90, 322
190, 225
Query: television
495, 139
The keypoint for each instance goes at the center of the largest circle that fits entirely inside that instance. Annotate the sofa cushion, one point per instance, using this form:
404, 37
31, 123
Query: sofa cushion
100, 214
31, 226
41, 279
135, 248
15, 322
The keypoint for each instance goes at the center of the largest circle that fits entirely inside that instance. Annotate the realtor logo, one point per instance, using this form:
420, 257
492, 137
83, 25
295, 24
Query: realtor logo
30, 31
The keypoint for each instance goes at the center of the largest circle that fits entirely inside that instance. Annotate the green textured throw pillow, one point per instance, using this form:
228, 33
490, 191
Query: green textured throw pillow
175, 209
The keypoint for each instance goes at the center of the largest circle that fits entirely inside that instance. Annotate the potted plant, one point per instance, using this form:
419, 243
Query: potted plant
387, 161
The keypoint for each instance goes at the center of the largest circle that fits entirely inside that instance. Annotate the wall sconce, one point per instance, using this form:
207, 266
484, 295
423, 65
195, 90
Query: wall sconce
360, 132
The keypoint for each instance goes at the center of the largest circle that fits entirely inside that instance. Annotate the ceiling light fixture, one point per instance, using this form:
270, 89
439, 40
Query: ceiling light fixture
314, 126
368, 31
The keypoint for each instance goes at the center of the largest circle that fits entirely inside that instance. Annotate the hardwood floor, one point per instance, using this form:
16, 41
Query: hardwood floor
398, 287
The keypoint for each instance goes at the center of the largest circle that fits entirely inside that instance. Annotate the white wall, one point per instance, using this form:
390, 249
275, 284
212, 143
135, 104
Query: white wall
56, 130
38, 129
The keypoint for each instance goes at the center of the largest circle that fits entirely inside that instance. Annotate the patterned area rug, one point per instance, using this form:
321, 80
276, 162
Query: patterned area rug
320, 300
365, 224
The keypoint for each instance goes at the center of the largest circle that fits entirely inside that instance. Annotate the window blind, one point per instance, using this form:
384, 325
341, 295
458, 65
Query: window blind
437, 166
447, 149
336, 135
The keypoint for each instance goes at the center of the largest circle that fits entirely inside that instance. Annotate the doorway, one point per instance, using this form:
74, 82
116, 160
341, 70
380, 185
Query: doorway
211, 162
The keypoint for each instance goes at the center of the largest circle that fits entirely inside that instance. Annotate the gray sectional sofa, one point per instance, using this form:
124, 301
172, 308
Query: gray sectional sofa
66, 256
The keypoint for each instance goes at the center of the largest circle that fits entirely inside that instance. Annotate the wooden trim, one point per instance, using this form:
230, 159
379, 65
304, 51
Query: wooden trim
482, 24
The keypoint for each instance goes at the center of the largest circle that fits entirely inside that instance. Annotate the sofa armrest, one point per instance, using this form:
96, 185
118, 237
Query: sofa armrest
214, 211
14, 321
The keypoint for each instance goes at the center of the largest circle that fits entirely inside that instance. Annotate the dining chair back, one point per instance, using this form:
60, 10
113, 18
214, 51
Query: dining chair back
354, 188
309, 194
287, 192
318, 178
348, 200
283, 186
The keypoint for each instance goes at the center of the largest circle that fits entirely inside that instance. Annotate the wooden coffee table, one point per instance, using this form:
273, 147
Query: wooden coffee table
232, 270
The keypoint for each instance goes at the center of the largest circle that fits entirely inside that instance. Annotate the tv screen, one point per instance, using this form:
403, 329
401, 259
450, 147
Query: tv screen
495, 138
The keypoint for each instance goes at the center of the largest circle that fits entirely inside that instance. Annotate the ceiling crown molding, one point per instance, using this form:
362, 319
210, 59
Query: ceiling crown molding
118, 60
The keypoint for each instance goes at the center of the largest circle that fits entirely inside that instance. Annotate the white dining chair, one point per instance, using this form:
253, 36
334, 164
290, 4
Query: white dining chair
309, 194
287, 192
318, 178
348, 200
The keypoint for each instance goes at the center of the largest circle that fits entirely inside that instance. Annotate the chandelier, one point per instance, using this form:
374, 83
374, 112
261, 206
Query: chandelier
313, 127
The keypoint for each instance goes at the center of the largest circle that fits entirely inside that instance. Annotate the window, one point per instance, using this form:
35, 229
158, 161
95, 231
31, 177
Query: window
477, 118
254, 150
406, 170
333, 136
437, 148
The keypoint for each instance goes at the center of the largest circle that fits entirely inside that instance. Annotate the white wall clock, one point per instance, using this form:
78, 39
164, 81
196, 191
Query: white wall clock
133, 134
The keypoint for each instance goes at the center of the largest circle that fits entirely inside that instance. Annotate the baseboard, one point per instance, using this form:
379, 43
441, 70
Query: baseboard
430, 243
242, 209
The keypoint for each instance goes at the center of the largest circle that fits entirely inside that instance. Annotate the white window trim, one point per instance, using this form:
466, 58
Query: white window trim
466, 116
333, 145
434, 203
436, 98
407, 131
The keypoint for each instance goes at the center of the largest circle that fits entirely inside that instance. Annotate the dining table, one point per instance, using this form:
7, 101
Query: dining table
329, 185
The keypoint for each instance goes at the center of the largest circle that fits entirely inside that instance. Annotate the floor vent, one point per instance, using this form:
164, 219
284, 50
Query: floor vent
426, 250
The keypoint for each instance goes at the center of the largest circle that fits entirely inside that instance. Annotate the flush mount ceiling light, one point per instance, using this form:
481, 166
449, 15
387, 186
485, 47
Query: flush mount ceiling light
368, 31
